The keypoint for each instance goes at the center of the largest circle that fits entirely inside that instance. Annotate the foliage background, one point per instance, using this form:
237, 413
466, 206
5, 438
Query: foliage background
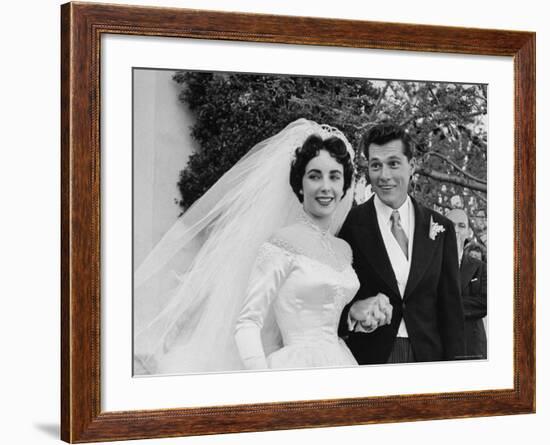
447, 122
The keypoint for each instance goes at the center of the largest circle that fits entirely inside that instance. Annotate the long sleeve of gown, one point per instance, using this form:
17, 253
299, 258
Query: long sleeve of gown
270, 270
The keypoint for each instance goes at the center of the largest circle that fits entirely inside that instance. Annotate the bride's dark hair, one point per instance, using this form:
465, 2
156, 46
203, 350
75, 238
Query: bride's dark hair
310, 149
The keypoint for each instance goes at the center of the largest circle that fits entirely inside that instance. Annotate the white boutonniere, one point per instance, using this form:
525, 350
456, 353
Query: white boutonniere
435, 229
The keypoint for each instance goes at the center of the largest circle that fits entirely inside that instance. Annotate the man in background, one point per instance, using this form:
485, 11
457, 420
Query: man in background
473, 283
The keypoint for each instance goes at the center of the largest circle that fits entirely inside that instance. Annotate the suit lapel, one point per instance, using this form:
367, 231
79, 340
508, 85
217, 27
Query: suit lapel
423, 248
372, 246
467, 270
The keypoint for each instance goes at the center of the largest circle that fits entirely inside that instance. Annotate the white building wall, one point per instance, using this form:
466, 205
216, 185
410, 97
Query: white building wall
162, 144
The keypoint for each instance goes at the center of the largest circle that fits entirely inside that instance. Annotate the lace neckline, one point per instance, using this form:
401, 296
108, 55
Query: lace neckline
340, 267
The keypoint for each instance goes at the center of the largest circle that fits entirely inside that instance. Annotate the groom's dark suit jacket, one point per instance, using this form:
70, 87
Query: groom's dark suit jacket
432, 306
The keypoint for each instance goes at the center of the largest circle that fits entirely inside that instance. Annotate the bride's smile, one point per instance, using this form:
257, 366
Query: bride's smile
322, 186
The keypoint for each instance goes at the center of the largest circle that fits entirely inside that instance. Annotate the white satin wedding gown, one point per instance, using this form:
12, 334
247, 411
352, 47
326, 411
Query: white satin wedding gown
306, 283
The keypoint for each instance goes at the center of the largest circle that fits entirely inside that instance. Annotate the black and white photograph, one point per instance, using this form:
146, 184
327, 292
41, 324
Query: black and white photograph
167, 279
294, 222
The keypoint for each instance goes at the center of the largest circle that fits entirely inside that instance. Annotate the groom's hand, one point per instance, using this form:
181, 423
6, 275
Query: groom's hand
385, 308
372, 312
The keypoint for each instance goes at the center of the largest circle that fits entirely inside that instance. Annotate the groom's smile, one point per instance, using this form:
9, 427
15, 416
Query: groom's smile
390, 172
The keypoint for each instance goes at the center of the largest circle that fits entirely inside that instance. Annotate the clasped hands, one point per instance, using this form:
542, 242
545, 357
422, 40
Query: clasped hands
371, 312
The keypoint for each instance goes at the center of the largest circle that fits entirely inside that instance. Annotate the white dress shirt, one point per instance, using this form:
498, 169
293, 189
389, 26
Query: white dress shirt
400, 264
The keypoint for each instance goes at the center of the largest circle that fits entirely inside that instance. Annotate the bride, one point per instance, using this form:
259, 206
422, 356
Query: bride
261, 278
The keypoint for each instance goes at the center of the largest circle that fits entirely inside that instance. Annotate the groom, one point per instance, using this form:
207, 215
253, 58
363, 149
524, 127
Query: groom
408, 308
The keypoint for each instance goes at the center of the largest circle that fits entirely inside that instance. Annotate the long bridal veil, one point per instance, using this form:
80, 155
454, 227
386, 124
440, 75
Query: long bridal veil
200, 268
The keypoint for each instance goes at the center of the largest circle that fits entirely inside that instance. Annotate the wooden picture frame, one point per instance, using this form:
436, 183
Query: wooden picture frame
82, 26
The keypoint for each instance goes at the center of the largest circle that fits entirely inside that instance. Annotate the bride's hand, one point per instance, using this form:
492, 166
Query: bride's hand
369, 325
372, 312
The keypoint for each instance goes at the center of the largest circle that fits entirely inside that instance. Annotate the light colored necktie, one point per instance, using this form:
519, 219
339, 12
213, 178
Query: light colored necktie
399, 233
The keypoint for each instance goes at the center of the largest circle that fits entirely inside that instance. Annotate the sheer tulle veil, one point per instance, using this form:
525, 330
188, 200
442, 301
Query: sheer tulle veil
197, 274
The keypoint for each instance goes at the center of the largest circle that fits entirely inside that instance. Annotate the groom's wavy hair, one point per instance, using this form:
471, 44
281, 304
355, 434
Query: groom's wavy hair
386, 132
310, 149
